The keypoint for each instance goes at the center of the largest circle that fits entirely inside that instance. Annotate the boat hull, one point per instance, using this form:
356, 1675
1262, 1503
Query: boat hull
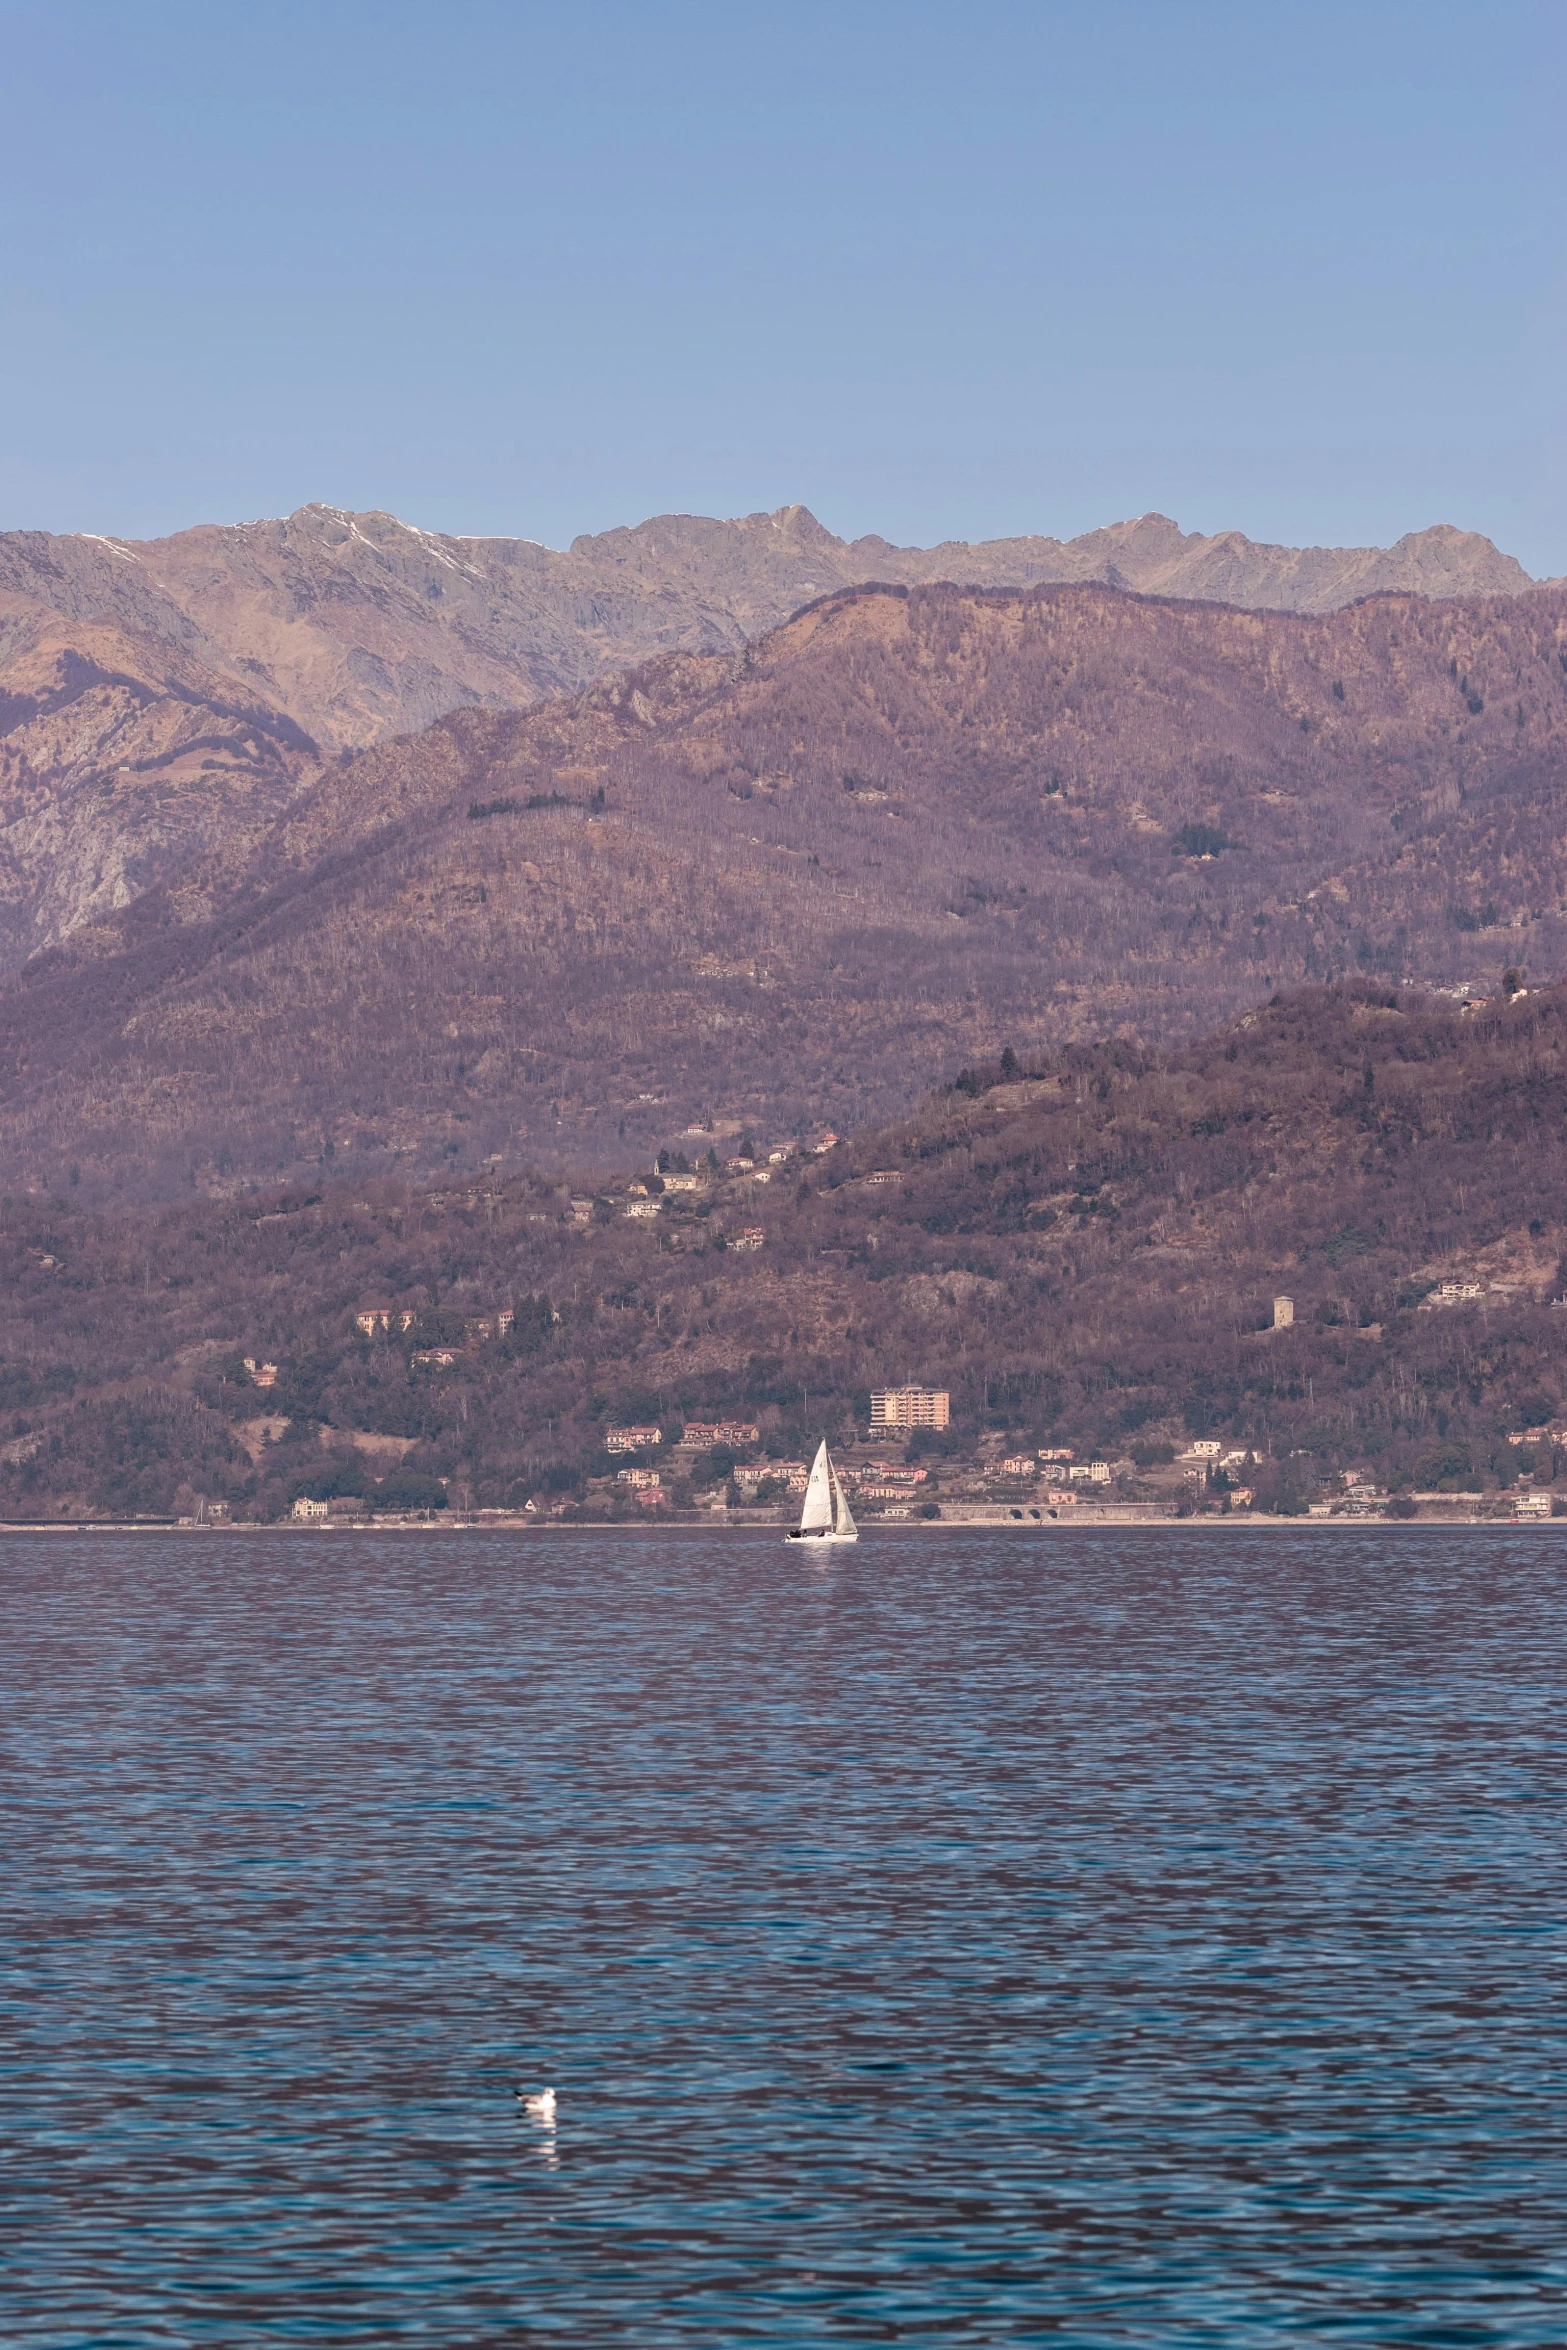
826, 1540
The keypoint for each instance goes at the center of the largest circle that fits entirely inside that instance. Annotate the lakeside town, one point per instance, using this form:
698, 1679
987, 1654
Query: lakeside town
902, 1468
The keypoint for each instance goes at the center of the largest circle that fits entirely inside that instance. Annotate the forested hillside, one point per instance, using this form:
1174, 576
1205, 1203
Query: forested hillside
1082, 1246
794, 884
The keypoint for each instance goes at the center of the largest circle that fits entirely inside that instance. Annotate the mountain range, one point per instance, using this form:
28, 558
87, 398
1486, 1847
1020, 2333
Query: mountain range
358, 626
785, 885
164, 698
335, 839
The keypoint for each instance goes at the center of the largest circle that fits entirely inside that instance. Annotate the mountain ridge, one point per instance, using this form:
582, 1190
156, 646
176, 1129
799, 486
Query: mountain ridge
131, 671
360, 626
787, 883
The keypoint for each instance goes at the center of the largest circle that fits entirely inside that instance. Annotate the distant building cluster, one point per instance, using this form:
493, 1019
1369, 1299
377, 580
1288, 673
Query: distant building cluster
886, 1481
794, 1474
703, 1434
381, 1321
636, 1438
910, 1407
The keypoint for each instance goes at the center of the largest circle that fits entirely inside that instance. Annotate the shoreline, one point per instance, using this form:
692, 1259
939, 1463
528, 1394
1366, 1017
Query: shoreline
1237, 1522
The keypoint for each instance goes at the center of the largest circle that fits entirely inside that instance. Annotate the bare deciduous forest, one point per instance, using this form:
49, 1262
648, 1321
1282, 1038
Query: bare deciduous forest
795, 883
1083, 1245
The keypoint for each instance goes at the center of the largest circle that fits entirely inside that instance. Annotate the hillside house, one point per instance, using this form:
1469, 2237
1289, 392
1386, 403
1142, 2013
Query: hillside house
1283, 1312
433, 1358
480, 1327
701, 1435
309, 1512
381, 1321
643, 1208
260, 1374
910, 1407
637, 1438
644, 1480
1061, 1497
682, 1182
884, 1175
1056, 1452
1534, 1505
1090, 1473
1018, 1464
582, 1211
751, 1236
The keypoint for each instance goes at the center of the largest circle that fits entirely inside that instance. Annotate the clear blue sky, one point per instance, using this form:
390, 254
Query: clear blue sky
937, 270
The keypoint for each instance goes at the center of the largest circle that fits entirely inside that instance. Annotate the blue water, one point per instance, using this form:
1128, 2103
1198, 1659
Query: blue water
1148, 1938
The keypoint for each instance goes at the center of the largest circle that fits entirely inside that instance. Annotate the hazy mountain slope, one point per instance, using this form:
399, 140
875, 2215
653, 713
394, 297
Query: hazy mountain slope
789, 885
360, 627
121, 756
1084, 1255
350, 629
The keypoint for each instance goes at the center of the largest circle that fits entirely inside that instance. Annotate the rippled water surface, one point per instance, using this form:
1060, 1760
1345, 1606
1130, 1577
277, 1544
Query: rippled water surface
1148, 1939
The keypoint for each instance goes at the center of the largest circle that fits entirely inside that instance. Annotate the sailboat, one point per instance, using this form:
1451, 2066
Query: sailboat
826, 1516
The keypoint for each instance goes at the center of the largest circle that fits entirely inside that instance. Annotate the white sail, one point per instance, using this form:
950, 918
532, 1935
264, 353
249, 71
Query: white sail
817, 1515
843, 1518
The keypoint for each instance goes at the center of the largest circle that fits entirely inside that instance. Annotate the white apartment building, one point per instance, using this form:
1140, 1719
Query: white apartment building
910, 1407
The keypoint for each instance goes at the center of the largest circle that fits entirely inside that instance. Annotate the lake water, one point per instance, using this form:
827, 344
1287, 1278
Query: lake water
1142, 1938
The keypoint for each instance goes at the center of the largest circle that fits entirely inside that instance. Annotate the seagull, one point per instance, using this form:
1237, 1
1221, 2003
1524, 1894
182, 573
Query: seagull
539, 2109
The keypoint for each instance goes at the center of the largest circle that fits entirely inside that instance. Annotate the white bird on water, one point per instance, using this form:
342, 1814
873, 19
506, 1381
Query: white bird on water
540, 2108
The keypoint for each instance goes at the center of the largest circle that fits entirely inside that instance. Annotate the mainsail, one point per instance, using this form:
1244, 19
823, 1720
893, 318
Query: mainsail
817, 1515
